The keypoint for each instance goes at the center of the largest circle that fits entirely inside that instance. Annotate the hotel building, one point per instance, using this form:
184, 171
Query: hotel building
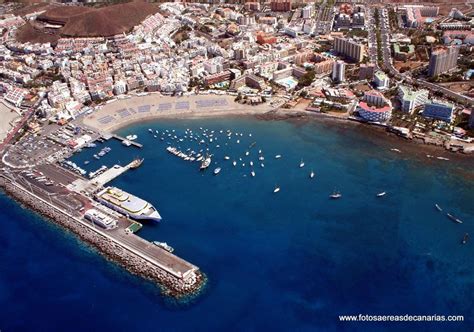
439, 111
349, 49
443, 60
410, 99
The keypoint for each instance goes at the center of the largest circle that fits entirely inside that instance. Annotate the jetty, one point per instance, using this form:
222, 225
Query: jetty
132, 143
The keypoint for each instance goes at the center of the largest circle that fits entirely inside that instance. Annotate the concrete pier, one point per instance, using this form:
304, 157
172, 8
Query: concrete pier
133, 143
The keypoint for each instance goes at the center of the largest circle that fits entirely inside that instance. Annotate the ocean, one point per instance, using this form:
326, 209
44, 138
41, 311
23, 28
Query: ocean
288, 261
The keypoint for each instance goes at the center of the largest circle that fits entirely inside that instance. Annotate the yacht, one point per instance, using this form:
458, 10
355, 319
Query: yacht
277, 189
453, 218
262, 165
163, 245
226, 157
311, 175
261, 158
335, 195
383, 193
252, 173
205, 163
247, 153
238, 141
301, 163
278, 156
234, 163
217, 170
251, 163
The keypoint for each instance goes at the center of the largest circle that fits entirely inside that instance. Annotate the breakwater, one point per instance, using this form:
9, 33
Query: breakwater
178, 287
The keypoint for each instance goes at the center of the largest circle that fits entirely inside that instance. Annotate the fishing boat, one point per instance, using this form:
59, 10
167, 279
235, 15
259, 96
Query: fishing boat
163, 245
137, 162
453, 218
381, 194
465, 238
217, 170
335, 195
301, 163
277, 189
311, 175
438, 208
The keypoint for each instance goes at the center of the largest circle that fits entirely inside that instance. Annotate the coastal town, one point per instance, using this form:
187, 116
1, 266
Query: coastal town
408, 69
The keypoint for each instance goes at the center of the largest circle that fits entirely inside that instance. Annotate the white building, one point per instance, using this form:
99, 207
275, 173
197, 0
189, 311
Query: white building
410, 99
338, 71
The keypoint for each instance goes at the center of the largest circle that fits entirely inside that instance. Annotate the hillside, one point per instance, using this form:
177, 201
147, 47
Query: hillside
89, 22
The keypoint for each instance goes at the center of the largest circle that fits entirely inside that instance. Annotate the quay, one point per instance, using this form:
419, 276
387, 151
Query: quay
176, 276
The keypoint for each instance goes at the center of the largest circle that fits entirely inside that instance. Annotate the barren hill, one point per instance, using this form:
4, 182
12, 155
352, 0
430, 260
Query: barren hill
90, 22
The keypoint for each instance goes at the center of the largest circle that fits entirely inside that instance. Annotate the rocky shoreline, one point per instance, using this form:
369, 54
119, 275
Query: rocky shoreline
169, 284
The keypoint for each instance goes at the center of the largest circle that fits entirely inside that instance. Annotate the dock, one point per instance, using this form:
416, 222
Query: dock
99, 181
121, 139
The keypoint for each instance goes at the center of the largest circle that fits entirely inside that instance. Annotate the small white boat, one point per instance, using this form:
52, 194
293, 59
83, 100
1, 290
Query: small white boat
247, 153
301, 163
311, 175
234, 163
277, 189
438, 208
261, 158
381, 194
251, 163
238, 141
278, 156
252, 173
442, 158
395, 150
217, 170
335, 195
226, 157
262, 165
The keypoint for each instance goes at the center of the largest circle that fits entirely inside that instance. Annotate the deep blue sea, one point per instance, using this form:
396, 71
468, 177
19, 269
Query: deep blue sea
290, 261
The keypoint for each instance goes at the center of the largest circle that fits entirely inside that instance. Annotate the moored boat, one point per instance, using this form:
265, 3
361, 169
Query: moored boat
163, 245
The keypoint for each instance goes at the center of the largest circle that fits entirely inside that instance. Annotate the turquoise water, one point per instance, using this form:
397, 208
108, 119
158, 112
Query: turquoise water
289, 261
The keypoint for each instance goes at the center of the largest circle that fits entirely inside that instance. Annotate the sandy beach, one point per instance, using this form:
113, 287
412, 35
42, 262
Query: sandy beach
124, 112
7, 116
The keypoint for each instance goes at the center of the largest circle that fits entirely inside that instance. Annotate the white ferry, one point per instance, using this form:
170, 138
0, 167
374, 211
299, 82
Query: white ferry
128, 204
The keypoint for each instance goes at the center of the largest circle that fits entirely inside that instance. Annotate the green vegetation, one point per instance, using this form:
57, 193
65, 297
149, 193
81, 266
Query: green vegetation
357, 33
306, 79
